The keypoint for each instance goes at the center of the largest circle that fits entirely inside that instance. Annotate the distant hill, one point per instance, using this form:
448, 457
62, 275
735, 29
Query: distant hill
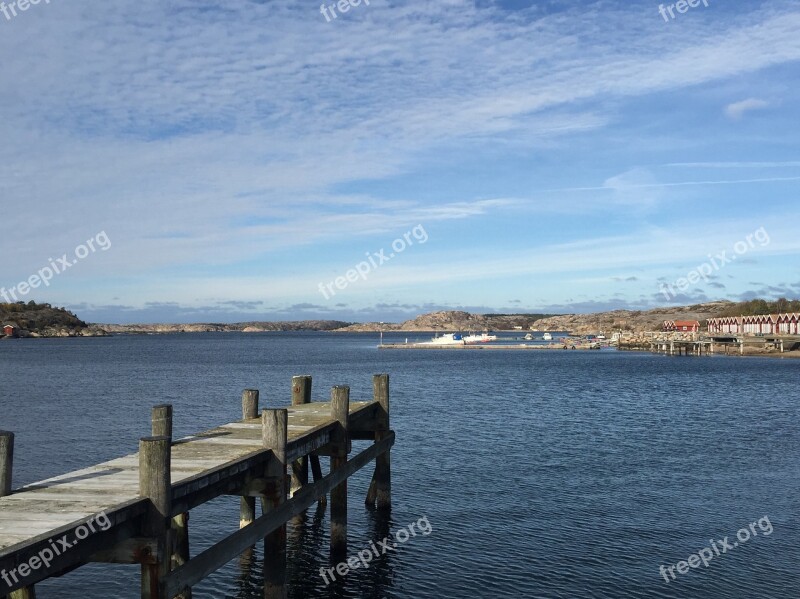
453, 320
626, 320
43, 320
760, 306
242, 327
632, 320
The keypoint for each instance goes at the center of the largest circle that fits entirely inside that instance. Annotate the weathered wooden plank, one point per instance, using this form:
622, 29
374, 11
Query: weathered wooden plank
57, 494
9, 517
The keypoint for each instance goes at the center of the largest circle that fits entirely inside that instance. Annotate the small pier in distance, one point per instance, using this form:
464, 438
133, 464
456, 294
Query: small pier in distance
135, 509
714, 343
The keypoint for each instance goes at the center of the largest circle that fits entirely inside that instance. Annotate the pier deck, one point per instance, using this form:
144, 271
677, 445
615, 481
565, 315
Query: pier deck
104, 514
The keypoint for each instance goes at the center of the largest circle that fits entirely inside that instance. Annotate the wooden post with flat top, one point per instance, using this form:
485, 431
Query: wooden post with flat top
162, 427
380, 489
274, 435
340, 412
301, 394
247, 507
155, 484
6, 462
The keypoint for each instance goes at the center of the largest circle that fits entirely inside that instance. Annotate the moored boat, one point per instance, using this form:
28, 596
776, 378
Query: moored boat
482, 338
446, 339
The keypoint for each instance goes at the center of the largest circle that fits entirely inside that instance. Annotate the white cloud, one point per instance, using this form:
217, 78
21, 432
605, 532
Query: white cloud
737, 110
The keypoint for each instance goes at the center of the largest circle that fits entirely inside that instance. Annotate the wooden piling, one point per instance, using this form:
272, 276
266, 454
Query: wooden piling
301, 394
6, 462
247, 505
155, 484
316, 471
162, 421
340, 410
383, 469
274, 435
162, 427
6, 480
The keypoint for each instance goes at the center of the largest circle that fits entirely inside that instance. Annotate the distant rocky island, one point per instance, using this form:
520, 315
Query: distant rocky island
236, 327
30, 319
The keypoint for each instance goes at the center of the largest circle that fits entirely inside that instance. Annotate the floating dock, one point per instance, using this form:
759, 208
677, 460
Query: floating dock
135, 509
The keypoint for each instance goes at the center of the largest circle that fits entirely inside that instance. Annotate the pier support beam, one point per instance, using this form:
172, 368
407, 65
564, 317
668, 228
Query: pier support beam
247, 507
301, 394
340, 412
155, 484
274, 434
380, 490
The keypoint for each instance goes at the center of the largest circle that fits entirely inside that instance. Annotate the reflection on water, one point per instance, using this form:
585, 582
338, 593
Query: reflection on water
307, 553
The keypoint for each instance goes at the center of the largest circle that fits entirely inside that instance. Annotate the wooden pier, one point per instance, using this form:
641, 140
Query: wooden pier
716, 343
135, 509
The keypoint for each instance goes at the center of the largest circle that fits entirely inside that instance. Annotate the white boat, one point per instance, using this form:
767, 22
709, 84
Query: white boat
547, 337
482, 338
528, 337
446, 339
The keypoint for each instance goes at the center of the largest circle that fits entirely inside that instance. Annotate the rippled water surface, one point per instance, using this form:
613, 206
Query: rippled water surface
542, 474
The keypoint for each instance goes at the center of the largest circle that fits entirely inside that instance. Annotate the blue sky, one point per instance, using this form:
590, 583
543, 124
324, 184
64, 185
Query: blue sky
239, 156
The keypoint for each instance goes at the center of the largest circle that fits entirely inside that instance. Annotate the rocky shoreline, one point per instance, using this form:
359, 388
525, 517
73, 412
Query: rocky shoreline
50, 332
